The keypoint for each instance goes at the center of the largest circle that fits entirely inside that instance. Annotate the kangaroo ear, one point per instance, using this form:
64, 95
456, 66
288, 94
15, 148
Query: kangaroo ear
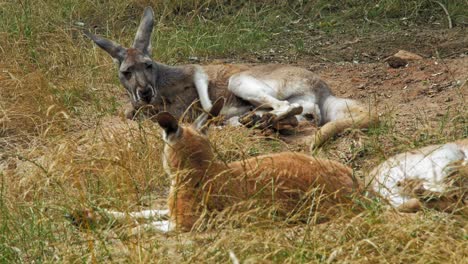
115, 50
142, 40
168, 122
202, 122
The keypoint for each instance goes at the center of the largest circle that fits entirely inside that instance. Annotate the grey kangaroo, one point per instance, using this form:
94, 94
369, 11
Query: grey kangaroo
282, 91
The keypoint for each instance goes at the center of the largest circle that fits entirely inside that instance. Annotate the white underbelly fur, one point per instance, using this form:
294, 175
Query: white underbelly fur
428, 164
280, 89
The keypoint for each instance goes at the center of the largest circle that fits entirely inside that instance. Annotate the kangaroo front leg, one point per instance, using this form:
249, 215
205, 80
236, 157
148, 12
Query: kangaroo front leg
200, 79
262, 95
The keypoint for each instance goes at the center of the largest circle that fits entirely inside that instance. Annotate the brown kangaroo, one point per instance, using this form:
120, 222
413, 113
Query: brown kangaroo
199, 182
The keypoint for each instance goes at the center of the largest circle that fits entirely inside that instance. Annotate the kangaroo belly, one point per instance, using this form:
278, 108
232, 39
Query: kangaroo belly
427, 166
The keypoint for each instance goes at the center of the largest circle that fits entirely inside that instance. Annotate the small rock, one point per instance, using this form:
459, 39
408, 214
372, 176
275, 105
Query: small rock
406, 55
396, 62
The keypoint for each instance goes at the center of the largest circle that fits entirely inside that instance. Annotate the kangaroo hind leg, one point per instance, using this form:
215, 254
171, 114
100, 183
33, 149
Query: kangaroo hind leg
310, 111
262, 94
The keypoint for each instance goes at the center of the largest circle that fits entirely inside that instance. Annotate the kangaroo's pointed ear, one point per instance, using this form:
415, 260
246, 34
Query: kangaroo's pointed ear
115, 50
142, 40
202, 122
169, 123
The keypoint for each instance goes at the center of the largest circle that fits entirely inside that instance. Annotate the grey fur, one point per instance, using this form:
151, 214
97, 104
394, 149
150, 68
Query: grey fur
142, 40
282, 90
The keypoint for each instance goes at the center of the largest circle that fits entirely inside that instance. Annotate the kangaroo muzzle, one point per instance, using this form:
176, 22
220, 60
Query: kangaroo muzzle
145, 94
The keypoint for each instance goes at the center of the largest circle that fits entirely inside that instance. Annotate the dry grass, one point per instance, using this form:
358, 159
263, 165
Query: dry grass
63, 146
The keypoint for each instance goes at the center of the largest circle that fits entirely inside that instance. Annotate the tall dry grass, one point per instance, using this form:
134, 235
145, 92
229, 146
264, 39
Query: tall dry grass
63, 145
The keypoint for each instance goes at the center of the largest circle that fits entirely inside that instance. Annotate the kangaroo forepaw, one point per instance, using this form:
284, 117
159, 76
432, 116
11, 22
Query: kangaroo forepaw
266, 121
249, 119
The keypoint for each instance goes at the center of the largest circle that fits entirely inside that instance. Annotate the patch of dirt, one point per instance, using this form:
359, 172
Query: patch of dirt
417, 98
426, 87
360, 46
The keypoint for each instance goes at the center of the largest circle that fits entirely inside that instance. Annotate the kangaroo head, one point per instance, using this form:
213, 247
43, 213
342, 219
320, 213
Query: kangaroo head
187, 145
136, 68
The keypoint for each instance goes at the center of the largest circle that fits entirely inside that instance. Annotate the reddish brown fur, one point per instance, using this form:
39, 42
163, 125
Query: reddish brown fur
201, 182
219, 78
132, 55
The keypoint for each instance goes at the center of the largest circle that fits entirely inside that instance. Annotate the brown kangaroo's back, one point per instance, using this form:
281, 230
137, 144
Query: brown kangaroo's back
283, 180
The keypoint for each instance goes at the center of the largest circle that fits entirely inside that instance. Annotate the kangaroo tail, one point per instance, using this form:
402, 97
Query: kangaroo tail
358, 118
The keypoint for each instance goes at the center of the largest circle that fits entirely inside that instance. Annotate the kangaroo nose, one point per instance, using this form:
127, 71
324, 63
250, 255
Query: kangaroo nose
145, 94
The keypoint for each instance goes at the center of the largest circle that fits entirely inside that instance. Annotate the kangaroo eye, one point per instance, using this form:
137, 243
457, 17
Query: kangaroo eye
127, 74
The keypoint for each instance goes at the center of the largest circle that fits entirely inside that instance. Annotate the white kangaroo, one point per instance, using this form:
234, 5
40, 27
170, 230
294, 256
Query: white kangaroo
435, 176
199, 182
285, 91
